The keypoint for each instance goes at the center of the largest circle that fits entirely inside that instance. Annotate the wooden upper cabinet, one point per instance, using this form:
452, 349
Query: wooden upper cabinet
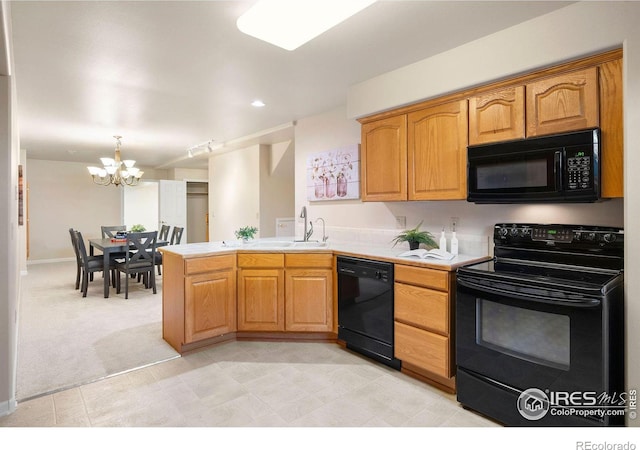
437, 152
497, 116
611, 128
563, 103
384, 159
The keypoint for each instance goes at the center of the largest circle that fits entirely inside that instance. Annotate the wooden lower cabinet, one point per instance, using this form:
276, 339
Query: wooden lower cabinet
261, 300
309, 292
198, 299
210, 305
423, 327
423, 349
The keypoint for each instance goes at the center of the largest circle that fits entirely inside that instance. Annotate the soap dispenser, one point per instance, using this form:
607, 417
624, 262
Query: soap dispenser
454, 243
443, 241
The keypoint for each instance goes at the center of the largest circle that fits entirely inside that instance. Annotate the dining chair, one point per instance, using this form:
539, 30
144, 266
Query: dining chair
74, 243
109, 231
163, 235
141, 260
90, 264
176, 235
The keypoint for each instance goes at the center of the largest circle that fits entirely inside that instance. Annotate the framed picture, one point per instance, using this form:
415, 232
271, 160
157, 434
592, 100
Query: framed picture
20, 196
334, 174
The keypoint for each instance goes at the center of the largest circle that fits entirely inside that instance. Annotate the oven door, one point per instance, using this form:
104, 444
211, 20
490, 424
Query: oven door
527, 337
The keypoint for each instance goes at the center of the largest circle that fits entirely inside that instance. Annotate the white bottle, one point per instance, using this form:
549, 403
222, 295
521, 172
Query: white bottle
443, 241
454, 244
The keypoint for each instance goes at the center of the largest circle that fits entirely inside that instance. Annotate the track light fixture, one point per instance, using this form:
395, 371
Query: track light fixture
191, 151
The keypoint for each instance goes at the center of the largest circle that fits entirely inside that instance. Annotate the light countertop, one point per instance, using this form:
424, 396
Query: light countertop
380, 253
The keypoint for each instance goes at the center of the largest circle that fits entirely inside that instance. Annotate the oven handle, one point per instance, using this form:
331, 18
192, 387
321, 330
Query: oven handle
585, 303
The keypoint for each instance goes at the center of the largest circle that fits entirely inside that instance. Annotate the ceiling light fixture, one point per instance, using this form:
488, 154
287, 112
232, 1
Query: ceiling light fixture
113, 172
291, 23
257, 103
208, 144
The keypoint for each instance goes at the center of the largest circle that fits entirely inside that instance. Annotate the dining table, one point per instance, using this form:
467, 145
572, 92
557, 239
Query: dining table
108, 246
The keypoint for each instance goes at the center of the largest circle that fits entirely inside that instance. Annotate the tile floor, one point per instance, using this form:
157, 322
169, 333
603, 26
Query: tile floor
252, 384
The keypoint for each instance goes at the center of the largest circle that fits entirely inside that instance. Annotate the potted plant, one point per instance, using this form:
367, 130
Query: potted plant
138, 228
415, 237
246, 233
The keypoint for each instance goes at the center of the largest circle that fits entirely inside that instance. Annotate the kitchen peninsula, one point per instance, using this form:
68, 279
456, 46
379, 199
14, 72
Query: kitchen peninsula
285, 290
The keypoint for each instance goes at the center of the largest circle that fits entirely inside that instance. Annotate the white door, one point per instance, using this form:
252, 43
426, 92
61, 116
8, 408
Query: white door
141, 205
285, 227
172, 201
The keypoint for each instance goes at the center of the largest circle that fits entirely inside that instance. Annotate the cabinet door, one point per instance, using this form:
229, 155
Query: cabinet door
420, 307
437, 152
384, 160
309, 300
612, 128
210, 305
261, 300
563, 103
424, 349
497, 116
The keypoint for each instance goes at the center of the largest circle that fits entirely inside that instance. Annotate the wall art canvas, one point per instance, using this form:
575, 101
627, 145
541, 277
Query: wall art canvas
334, 174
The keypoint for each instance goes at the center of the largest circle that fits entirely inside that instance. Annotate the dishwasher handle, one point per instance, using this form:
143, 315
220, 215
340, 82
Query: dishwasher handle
584, 302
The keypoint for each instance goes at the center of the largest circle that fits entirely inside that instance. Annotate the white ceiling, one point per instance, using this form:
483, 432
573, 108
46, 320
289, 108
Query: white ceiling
167, 75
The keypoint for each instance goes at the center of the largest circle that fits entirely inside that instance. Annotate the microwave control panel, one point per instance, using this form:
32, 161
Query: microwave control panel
579, 174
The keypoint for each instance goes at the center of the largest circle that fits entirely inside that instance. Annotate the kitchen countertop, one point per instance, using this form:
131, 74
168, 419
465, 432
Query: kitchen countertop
380, 253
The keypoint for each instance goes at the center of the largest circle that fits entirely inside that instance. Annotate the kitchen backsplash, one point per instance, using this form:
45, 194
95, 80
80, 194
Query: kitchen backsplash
475, 245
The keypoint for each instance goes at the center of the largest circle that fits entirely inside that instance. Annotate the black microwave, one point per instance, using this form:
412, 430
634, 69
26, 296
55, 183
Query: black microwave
559, 168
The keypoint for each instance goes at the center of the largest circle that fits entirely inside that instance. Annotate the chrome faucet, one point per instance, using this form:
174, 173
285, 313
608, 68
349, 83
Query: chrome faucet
324, 236
308, 226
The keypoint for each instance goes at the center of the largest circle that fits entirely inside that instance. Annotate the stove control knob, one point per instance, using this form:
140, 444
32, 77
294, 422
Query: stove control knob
503, 231
591, 236
609, 238
514, 232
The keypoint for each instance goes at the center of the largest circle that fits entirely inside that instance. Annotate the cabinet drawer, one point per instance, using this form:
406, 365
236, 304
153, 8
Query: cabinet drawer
424, 308
261, 260
208, 264
430, 278
308, 260
421, 348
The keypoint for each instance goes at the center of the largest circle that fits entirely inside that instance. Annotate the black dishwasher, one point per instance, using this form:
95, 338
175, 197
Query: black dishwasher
365, 308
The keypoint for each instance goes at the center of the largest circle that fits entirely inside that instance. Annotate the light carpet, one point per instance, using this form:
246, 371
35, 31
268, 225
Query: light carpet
65, 340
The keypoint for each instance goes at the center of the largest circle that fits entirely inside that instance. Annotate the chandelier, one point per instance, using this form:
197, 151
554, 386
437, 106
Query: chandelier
113, 171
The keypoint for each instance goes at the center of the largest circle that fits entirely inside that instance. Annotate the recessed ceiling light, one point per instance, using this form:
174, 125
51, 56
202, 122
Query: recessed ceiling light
257, 103
291, 23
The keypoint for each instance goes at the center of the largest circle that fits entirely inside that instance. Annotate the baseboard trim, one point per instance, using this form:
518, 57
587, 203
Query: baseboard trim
47, 261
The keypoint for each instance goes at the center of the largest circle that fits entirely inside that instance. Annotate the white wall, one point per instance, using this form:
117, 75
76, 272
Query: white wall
62, 196
188, 174
276, 186
234, 199
10, 285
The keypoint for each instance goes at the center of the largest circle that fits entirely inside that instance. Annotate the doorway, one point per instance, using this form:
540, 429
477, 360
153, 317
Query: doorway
197, 211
